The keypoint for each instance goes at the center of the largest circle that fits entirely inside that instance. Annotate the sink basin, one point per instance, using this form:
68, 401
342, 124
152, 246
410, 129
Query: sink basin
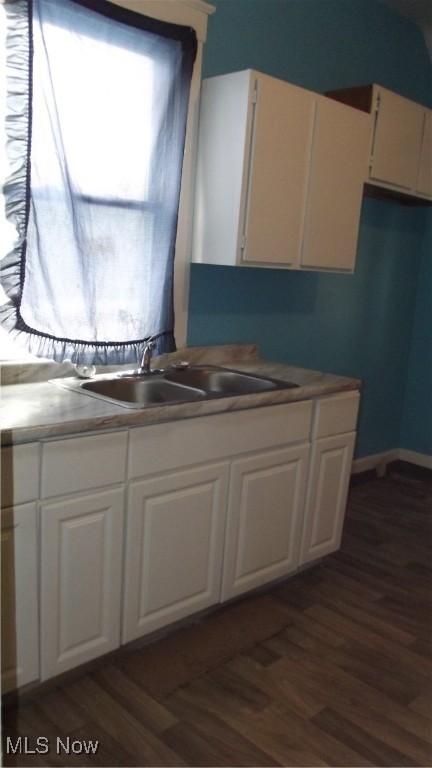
135, 392
172, 386
219, 381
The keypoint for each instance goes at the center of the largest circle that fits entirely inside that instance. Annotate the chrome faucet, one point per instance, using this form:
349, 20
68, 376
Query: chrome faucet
145, 367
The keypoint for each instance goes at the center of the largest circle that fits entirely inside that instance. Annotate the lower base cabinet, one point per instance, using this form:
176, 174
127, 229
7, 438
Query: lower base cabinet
20, 596
81, 574
216, 506
174, 547
327, 496
265, 515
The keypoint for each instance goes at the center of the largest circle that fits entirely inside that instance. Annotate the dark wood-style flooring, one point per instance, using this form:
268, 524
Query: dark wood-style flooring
331, 668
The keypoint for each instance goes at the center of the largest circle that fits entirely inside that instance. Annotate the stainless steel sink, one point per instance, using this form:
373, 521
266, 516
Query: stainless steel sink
219, 381
172, 386
134, 391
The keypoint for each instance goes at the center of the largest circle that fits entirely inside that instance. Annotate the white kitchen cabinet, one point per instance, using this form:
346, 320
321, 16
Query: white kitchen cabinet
400, 141
280, 175
282, 126
214, 508
20, 591
397, 140
265, 512
81, 573
335, 187
327, 495
333, 439
174, 547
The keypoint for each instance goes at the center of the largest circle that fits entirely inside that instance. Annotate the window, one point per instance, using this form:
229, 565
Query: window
121, 104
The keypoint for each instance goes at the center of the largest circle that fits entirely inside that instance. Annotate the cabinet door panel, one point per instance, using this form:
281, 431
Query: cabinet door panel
264, 518
424, 181
174, 547
81, 579
280, 156
19, 603
327, 495
397, 140
338, 172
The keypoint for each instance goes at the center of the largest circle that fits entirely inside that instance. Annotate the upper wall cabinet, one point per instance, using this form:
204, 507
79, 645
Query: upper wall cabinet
400, 140
280, 175
335, 187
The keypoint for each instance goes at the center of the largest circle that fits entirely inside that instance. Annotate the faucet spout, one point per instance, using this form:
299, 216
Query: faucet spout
145, 367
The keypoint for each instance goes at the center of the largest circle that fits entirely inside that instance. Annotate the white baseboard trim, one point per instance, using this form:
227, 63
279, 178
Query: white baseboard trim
379, 461
421, 459
374, 461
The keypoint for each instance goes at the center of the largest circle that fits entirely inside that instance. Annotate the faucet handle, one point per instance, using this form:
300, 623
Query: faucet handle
150, 344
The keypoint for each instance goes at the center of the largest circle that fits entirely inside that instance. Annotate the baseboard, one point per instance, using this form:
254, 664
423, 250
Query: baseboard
379, 461
374, 461
421, 459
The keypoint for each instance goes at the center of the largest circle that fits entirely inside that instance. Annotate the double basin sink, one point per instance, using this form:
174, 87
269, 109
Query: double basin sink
174, 385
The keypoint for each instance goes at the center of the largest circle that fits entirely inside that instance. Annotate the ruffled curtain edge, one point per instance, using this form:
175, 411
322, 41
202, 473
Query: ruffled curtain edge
16, 190
17, 129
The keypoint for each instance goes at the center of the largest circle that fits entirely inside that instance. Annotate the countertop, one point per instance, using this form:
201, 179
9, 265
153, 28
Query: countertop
33, 408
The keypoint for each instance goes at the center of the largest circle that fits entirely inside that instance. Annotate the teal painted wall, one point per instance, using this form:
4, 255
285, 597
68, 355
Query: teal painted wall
416, 431
361, 324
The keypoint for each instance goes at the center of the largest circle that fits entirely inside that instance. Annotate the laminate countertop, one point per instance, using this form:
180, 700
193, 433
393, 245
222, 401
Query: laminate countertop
34, 408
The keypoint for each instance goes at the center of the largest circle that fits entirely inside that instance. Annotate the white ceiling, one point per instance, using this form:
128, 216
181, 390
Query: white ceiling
419, 11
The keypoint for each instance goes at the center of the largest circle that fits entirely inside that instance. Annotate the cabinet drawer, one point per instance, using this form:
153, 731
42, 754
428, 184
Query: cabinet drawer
80, 463
335, 415
19, 474
194, 441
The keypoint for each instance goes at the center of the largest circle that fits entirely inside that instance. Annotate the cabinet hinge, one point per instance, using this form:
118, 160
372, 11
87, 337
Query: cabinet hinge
377, 103
375, 119
255, 94
243, 243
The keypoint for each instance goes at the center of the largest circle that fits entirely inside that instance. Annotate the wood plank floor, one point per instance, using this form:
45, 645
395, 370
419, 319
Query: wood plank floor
331, 668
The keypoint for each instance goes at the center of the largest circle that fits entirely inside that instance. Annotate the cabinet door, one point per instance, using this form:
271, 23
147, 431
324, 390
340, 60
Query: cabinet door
397, 140
327, 495
424, 180
174, 547
19, 597
80, 579
338, 171
264, 518
279, 160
